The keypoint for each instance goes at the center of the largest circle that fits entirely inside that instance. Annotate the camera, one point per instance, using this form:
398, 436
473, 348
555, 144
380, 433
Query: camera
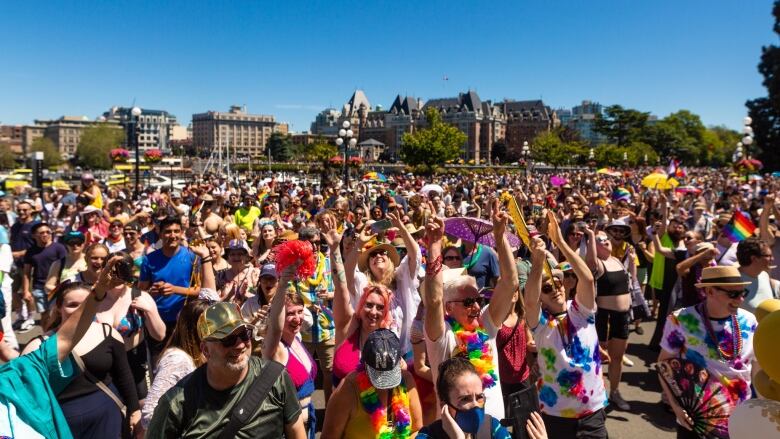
124, 270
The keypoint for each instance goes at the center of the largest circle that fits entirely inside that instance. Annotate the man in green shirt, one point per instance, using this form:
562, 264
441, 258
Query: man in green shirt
200, 405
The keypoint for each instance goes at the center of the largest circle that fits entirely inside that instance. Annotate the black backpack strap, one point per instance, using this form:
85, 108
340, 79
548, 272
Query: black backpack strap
251, 402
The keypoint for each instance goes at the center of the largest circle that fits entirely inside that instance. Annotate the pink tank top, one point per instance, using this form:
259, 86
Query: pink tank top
346, 359
297, 370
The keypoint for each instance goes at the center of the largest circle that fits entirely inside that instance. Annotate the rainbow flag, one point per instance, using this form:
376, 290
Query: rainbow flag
739, 228
621, 194
262, 196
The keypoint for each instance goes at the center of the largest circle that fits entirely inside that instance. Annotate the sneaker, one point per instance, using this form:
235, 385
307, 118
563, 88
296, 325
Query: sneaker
627, 362
26, 325
618, 401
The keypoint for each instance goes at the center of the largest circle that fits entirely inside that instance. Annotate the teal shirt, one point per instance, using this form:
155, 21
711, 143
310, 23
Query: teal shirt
32, 382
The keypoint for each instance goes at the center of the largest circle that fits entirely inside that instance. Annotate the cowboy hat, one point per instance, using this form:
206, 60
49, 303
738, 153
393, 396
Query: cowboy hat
392, 253
721, 276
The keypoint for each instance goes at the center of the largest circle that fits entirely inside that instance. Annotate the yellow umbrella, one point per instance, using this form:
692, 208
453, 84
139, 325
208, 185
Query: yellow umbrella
660, 181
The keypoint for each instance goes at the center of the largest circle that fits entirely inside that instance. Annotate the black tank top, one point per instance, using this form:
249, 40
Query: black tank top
612, 283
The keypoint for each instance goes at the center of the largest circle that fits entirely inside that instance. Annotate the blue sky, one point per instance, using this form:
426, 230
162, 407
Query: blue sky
292, 59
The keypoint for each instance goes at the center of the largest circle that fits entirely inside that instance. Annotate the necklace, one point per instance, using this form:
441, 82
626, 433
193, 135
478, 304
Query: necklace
396, 424
736, 335
474, 257
474, 346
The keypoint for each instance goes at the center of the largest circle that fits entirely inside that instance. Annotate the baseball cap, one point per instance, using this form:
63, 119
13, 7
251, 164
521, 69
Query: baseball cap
237, 244
381, 356
268, 270
220, 320
73, 236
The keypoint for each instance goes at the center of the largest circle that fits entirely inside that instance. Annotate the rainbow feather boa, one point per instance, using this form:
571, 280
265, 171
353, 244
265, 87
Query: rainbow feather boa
378, 412
474, 345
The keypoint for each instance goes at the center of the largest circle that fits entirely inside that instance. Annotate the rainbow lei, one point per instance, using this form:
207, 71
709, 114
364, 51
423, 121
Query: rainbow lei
399, 404
474, 345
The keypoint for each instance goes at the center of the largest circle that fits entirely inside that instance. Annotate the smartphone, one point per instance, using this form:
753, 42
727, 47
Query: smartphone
521, 404
381, 226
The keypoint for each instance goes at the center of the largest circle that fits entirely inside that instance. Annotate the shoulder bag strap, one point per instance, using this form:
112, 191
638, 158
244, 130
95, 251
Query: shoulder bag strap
100, 385
251, 402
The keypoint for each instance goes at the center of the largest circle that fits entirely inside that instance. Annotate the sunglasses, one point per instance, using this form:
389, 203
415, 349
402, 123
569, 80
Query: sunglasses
244, 334
548, 288
379, 253
470, 301
602, 240
452, 258
734, 294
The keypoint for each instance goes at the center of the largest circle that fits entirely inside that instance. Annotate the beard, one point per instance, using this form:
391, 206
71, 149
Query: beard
238, 364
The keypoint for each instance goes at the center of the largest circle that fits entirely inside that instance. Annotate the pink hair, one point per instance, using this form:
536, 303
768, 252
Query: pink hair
386, 294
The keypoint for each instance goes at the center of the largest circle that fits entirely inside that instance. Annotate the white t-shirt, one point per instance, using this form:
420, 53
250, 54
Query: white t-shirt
571, 385
12, 426
759, 290
728, 255
443, 348
404, 302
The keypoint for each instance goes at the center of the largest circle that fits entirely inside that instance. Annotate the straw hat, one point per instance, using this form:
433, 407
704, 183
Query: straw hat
392, 253
721, 276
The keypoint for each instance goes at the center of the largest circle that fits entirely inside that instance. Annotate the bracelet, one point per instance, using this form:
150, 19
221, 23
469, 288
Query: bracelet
434, 267
206, 260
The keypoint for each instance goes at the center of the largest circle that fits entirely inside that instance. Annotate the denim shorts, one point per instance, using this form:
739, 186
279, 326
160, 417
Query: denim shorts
41, 301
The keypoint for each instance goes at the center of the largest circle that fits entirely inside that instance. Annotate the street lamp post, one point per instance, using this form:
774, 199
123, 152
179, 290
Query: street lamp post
135, 113
345, 138
526, 154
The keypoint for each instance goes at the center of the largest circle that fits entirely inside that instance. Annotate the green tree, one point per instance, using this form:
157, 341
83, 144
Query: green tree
719, 144
51, 155
499, 153
621, 125
765, 111
280, 146
434, 145
7, 157
96, 144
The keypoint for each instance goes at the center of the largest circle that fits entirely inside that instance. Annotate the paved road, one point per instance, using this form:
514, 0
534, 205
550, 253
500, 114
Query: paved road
646, 420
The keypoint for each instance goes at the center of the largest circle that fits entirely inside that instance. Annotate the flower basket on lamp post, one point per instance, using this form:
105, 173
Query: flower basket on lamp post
152, 156
119, 155
355, 162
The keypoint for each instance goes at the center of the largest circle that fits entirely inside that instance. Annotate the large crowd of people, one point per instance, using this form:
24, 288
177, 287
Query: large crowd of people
431, 308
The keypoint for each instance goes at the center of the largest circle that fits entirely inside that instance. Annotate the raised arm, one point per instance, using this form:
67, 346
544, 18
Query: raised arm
412, 248
71, 331
276, 314
533, 286
434, 281
590, 256
763, 222
685, 266
342, 305
508, 281
586, 290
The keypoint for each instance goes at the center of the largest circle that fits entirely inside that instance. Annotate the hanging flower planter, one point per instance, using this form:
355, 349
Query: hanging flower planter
336, 160
119, 155
355, 162
152, 156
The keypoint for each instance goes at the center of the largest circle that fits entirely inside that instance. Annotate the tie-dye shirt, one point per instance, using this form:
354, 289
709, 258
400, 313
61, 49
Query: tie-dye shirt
685, 335
570, 384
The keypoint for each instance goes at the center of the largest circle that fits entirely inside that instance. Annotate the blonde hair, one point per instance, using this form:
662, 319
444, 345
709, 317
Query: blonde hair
387, 280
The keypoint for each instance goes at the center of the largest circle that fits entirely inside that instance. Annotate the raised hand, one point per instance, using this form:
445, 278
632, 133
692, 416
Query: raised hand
395, 219
500, 218
330, 231
538, 250
365, 236
553, 229
434, 230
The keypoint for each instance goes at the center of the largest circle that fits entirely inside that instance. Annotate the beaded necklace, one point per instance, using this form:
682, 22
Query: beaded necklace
474, 346
398, 425
736, 335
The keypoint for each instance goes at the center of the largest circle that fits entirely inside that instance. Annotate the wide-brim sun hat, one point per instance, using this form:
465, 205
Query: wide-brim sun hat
721, 276
392, 253
91, 209
618, 226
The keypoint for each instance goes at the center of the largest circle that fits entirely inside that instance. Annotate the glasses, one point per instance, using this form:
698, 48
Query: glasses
243, 334
452, 258
548, 288
378, 253
470, 301
734, 294
115, 226
130, 233
602, 240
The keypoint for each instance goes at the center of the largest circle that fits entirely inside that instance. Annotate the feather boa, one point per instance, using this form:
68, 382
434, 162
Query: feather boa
474, 346
290, 252
399, 404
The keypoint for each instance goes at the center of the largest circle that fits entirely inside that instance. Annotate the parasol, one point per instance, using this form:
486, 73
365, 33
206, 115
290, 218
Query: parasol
688, 189
376, 176
610, 172
754, 177
557, 181
431, 188
660, 181
700, 394
476, 230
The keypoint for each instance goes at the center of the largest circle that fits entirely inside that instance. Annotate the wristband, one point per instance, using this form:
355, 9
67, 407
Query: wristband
205, 261
434, 267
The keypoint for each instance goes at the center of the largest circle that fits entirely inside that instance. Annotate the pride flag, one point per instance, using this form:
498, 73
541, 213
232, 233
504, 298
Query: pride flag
621, 194
739, 228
